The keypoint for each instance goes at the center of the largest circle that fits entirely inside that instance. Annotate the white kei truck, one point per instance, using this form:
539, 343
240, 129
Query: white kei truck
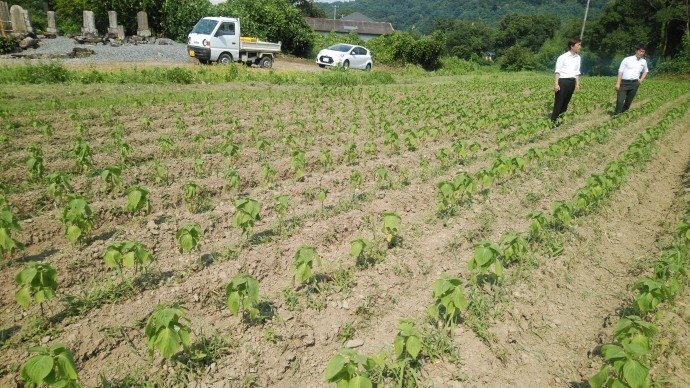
217, 39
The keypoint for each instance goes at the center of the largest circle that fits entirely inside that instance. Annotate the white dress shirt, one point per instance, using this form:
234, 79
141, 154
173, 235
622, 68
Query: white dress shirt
568, 65
632, 67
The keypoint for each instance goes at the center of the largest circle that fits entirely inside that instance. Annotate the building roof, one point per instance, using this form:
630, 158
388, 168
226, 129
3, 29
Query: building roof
358, 16
347, 26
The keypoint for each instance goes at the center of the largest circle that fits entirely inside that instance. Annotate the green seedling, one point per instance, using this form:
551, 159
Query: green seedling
410, 139
34, 164
268, 172
370, 148
355, 179
408, 347
623, 367
449, 300
231, 151
52, 366
298, 163
242, 295
246, 215
304, 263
265, 147
391, 227
188, 236
165, 143
37, 282
382, 177
486, 261
443, 155
347, 369
160, 173
124, 149
651, 293
167, 329
351, 155
390, 140
632, 329
232, 177
199, 167
82, 155
81, 129
77, 218
465, 186
8, 224
540, 222
514, 247
191, 193
138, 201
280, 206
321, 195
127, 254
111, 178
326, 159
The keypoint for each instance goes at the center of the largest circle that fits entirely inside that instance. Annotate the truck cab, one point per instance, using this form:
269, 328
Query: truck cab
217, 39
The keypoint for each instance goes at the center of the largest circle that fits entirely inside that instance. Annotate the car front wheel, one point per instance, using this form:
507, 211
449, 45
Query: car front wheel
346, 64
224, 59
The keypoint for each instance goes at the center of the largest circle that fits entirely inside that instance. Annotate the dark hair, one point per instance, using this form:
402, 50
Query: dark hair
641, 46
572, 42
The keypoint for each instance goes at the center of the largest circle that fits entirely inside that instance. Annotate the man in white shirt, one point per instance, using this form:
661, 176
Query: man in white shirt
631, 73
566, 78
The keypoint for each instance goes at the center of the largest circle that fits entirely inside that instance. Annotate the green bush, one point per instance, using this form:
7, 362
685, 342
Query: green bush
517, 58
8, 45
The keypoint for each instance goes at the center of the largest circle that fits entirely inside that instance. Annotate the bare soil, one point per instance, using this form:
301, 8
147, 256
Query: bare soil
543, 324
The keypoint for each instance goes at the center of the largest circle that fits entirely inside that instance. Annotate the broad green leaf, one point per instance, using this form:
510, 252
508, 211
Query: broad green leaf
335, 367
635, 374
66, 364
37, 368
23, 297
167, 342
186, 243
73, 233
414, 346
234, 302
26, 275
360, 381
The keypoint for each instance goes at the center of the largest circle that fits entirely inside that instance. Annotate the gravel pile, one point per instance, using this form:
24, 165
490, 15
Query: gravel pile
126, 53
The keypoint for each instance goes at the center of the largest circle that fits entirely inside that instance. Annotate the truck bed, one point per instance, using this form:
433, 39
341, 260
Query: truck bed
259, 46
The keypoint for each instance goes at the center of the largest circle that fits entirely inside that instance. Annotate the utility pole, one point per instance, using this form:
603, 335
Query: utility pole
582, 31
334, 8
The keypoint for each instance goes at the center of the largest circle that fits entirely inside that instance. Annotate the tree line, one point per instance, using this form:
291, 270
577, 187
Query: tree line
521, 38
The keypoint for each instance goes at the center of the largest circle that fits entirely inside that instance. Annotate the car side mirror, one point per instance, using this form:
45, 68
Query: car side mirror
353, 53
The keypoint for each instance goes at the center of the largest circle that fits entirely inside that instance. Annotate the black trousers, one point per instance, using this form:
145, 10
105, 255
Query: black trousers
626, 93
560, 103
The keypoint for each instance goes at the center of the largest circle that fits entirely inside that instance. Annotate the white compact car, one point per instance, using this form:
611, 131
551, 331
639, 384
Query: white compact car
345, 55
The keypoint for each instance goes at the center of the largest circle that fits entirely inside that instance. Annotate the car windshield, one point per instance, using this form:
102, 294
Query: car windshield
340, 47
204, 27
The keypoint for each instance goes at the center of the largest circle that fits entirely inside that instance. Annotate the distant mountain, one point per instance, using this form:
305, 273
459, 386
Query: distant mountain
419, 14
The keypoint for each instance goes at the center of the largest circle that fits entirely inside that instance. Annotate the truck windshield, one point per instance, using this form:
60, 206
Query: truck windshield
204, 27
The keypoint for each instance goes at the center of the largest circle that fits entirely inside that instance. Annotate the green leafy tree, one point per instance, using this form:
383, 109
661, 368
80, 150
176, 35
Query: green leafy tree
53, 366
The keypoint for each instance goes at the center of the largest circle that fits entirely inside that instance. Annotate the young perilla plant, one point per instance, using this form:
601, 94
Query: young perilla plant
348, 369
188, 237
391, 227
304, 263
242, 295
167, 329
8, 224
77, 218
486, 262
53, 366
138, 201
111, 178
127, 254
449, 301
37, 282
59, 186
246, 215
34, 163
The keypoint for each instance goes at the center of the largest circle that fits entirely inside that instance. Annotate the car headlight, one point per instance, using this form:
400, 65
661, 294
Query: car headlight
206, 43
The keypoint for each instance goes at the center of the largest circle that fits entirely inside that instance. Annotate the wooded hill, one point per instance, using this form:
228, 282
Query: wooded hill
418, 15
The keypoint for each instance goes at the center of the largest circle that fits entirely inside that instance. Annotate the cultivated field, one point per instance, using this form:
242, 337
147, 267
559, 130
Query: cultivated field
543, 233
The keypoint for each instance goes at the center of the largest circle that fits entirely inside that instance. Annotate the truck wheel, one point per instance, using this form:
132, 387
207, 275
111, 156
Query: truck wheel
203, 61
266, 62
224, 59
321, 65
